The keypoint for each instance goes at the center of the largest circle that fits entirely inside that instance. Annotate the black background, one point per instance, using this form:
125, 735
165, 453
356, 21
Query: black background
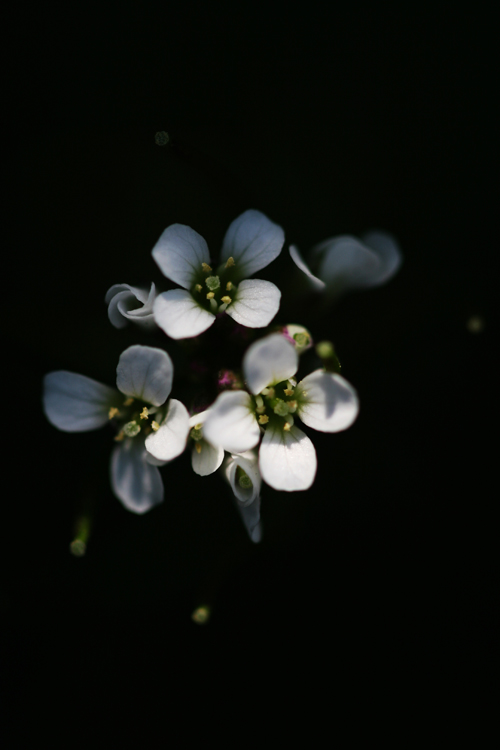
329, 124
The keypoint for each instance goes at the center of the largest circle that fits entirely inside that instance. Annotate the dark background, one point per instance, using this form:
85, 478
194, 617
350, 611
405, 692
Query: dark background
328, 124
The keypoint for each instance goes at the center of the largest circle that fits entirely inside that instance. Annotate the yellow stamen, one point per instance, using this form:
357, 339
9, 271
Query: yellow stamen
144, 413
229, 286
128, 402
198, 287
210, 295
288, 391
205, 268
263, 419
155, 425
113, 412
198, 447
120, 436
286, 426
230, 262
226, 299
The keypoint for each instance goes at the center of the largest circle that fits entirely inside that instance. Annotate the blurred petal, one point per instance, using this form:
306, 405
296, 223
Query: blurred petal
387, 249
179, 253
231, 423
207, 460
256, 303
269, 361
249, 463
145, 373
250, 515
170, 440
253, 241
287, 459
75, 403
347, 263
134, 481
331, 403
177, 313
300, 263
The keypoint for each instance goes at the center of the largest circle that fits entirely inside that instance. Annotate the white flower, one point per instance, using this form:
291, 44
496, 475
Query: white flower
251, 243
344, 262
130, 303
242, 473
75, 403
322, 400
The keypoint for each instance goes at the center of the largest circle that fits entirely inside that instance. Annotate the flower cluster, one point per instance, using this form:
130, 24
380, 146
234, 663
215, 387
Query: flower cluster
239, 395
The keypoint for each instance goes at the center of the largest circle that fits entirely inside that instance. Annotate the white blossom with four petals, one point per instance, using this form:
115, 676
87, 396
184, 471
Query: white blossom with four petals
251, 243
76, 403
324, 401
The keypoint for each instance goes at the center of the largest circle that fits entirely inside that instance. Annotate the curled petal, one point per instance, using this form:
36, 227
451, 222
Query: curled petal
287, 459
346, 263
248, 463
75, 403
253, 241
177, 313
122, 302
179, 253
300, 263
206, 459
256, 303
135, 482
387, 249
269, 361
145, 373
327, 402
231, 423
170, 440
250, 515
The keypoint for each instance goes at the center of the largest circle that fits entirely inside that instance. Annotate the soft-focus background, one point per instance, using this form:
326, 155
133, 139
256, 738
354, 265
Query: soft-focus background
328, 124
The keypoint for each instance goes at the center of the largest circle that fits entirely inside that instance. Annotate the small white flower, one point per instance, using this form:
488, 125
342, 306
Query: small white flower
251, 243
242, 473
322, 400
344, 263
75, 403
130, 303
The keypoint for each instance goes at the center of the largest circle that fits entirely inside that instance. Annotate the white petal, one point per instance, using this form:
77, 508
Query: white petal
170, 440
347, 263
134, 481
300, 263
249, 463
287, 459
179, 253
145, 373
231, 423
207, 460
198, 418
269, 361
255, 304
253, 241
387, 249
177, 313
133, 303
75, 403
250, 515
331, 403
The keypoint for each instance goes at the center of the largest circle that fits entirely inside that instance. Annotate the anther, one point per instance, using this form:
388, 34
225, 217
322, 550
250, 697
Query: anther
226, 299
288, 391
206, 268
113, 412
144, 413
155, 425
129, 401
198, 447
230, 262
210, 295
263, 419
198, 287
229, 286
287, 426
120, 436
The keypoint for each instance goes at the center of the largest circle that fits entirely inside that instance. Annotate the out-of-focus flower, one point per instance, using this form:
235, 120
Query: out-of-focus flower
323, 400
299, 336
76, 403
344, 263
251, 243
242, 473
130, 303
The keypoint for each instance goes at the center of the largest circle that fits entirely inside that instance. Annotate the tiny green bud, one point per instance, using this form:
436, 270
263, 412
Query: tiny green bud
325, 350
